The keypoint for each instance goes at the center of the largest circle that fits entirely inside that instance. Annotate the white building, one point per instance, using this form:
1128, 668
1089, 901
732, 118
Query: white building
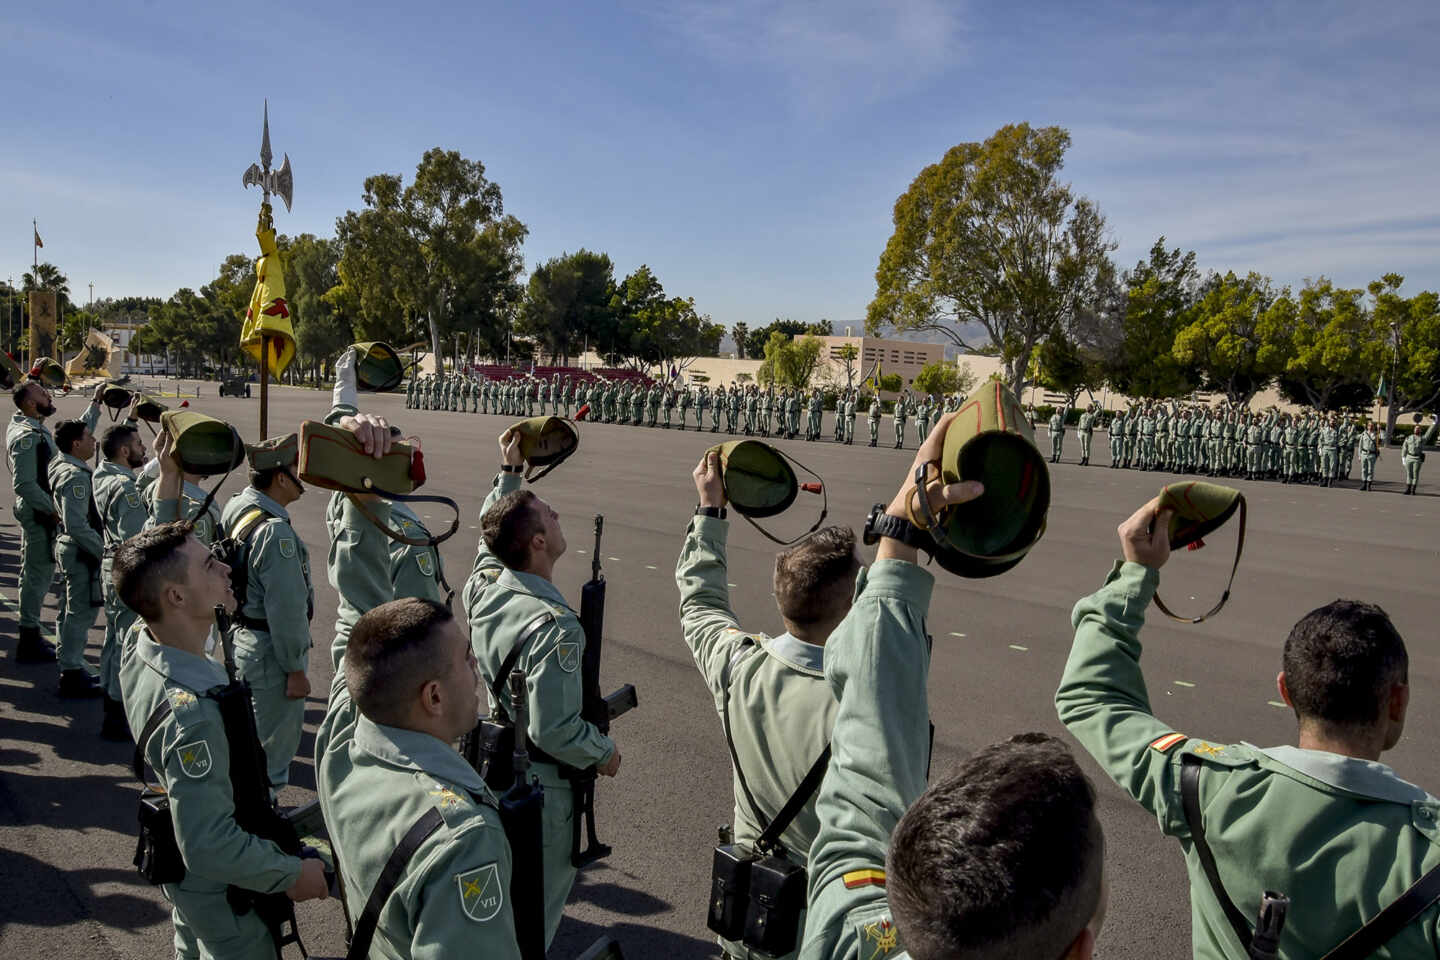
122, 360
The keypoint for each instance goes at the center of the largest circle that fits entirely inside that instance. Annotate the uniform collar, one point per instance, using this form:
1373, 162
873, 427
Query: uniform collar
533, 585
797, 653
75, 462
1367, 778
30, 422
193, 671
261, 500
108, 467
416, 751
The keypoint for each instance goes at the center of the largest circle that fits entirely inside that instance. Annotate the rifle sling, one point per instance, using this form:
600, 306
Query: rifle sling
162, 710
770, 835
1190, 799
390, 876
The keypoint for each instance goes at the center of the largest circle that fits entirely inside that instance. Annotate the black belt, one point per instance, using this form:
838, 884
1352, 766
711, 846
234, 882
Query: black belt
253, 623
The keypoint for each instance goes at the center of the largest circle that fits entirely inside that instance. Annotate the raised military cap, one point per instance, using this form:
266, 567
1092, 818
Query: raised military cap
205, 446
10, 373
545, 442
991, 440
48, 373
1200, 509
274, 453
377, 366
759, 482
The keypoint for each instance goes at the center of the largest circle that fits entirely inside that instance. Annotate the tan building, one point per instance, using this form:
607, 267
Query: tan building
905, 357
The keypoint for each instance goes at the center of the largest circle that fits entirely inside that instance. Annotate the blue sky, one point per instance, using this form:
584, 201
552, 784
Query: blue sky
749, 152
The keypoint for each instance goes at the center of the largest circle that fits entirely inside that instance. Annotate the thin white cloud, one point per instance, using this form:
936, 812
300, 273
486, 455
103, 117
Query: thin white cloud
824, 54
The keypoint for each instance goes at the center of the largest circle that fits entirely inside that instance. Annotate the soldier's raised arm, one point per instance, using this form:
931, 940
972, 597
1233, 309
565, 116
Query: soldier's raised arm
709, 625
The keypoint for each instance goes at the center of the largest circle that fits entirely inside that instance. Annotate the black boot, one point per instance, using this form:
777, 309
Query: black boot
79, 684
114, 726
32, 648
872, 443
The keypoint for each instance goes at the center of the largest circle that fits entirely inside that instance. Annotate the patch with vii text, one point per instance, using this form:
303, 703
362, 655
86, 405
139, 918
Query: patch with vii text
481, 892
195, 759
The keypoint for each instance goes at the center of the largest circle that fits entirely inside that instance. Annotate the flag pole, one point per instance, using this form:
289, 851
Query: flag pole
264, 386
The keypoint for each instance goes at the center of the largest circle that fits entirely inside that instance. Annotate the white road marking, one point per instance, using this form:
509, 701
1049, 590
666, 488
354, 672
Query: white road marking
1183, 683
960, 635
1016, 646
1276, 703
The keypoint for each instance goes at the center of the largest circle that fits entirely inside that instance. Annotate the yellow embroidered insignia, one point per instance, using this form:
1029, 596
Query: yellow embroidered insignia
181, 698
1166, 742
1209, 749
445, 796
884, 935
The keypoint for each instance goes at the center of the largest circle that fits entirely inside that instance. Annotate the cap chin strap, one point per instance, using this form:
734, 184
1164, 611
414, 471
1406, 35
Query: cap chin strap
934, 522
407, 498
1224, 597
824, 507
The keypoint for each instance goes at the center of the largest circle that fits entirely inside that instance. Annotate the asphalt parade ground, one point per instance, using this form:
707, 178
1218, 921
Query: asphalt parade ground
67, 798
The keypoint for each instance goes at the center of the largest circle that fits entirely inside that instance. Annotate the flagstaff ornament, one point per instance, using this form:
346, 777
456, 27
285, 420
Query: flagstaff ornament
267, 335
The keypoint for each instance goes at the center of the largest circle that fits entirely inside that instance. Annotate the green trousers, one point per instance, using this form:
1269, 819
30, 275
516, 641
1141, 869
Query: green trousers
899, 433
557, 816
1057, 441
206, 928
279, 720
874, 430
37, 570
1367, 468
1412, 470
118, 620
1085, 446
82, 602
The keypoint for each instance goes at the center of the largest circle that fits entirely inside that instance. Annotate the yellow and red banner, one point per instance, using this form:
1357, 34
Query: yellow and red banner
269, 312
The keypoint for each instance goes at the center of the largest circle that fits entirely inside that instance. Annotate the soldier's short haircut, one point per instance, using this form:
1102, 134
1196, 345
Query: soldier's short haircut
1340, 661
116, 438
508, 526
18, 394
67, 432
391, 655
815, 579
1002, 860
146, 564
264, 479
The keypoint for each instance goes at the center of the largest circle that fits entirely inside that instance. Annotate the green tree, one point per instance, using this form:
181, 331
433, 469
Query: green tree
1331, 354
989, 238
848, 354
1406, 338
47, 276
790, 361
1235, 338
568, 303
75, 326
321, 329
1159, 296
944, 378
755, 340
1059, 365
657, 330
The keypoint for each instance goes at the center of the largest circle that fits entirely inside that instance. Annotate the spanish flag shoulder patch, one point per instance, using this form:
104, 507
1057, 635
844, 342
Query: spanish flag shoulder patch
1168, 741
864, 878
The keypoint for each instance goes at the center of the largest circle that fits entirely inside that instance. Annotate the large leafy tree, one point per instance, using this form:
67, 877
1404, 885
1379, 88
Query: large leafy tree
1159, 295
432, 251
942, 377
790, 361
321, 329
656, 330
1235, 338
1406, 339
755, 340
738, 333
568, 304
1331, 355
991, 248
47, 276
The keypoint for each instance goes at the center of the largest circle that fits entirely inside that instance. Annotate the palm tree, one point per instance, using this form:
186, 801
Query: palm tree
48, 277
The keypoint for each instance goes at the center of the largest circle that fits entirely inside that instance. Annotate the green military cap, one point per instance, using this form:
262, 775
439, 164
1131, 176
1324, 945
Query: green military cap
115, 396
991, 440
377, 366
206, 446
1201, 508
49, 373
10, 373
150, 410
274, 453
759, 482
546, 442
333, 458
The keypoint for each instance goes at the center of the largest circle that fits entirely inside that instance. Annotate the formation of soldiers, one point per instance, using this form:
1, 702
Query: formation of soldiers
1313, 448
410, 675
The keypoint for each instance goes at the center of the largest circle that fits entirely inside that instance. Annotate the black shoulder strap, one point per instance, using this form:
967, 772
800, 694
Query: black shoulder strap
162, 710
497, 686
390, 877
797, 800
1190, 799
1388, 922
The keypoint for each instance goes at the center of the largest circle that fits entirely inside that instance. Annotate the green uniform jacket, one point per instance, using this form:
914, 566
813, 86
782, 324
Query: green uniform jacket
121, 507
780, 709
278, 589
191, 758
1341, 837
877, 662
375, 781
29, 448
70, 485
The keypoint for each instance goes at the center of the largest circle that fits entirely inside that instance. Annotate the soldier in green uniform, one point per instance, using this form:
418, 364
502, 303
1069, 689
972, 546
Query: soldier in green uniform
174, 583
523, 609
637, 405
752, 409
899, 414
922, 420
1412, 453
1329, 443
80, 547
770, 692
1254, 435
851, 399
272, 624
29, 450
1056, 428
1147, 439
720, 408
732, 409
816, 411
1369, 453
652, 405
874, 419
1116, 430
702, 400
123, 514
683, 401
1085, 430
669, 404
792, 413
1324, 822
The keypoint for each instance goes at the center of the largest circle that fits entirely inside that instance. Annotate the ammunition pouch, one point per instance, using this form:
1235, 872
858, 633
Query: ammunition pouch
492, 753
157, 854
777, 902
730, 889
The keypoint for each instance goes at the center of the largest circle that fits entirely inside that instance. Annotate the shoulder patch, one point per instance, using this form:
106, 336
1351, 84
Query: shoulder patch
132, 498
77, 490
26, 443
1163, 744
481, 892
864, 878
567, 655
195, 759
426, 562
287, 547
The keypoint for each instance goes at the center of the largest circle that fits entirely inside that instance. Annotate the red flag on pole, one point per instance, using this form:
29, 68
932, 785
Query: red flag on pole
38, 241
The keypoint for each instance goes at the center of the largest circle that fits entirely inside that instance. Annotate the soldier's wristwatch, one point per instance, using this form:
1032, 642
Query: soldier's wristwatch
881, 524
718, 513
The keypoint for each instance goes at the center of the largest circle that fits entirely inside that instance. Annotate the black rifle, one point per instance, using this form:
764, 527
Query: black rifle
520, 815
250, 787
596, 708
